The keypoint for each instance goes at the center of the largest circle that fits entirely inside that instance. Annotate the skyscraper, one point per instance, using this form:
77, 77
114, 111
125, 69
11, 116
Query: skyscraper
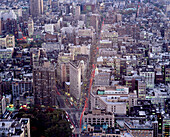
36, 7
44, 84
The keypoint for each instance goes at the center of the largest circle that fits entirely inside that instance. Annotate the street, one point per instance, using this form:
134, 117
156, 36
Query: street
72, 113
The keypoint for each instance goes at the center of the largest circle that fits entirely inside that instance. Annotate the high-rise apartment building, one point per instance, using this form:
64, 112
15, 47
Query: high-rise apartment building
44, 84
30, 27
36, 7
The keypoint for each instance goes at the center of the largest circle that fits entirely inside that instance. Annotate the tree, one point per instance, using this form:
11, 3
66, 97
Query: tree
48, 123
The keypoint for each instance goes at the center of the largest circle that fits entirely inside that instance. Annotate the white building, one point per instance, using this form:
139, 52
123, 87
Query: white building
9, 14
49, 28
49, 46
112, 104
98, 117
80, 49
15, 128
113, 99
75, 78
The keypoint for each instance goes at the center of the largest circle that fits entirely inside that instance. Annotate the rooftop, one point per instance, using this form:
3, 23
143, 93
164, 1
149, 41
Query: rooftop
134, 125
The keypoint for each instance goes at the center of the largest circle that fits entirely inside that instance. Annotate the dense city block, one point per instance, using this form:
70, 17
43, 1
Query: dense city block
80, 68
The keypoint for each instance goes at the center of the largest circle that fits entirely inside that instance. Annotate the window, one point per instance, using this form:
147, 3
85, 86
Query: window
102, 120
114, 108
132, 101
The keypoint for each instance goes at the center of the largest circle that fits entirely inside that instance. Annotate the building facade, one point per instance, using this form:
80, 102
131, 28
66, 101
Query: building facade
7, 41
117, 99
44, 85
15, 128
138, 130
18, 87
75, 79
2, 105
30, 27
99, 117
36, 7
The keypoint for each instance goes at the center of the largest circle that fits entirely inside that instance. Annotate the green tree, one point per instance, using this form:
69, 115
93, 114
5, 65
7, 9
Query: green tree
49, 123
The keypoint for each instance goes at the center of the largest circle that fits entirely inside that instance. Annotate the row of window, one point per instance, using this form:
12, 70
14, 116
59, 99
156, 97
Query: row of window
98, 119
